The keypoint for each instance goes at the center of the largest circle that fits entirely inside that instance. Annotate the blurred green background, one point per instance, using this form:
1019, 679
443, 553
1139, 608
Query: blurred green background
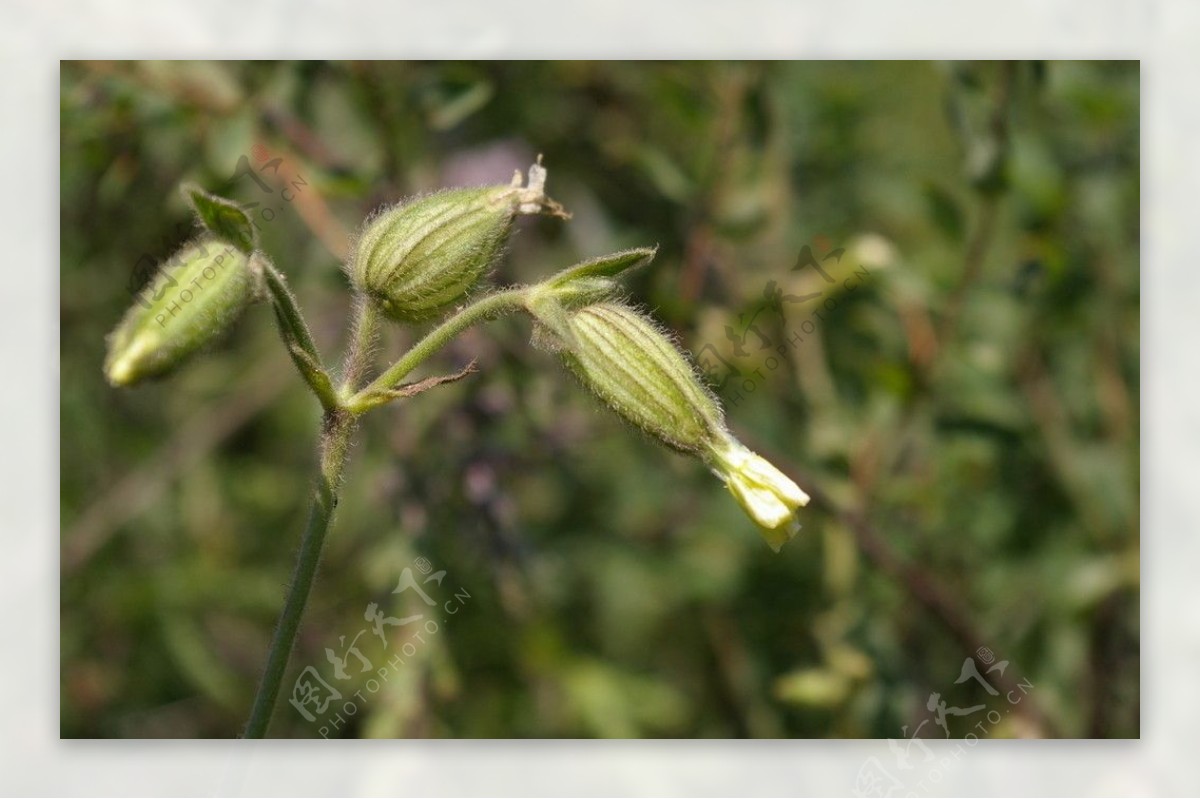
964, 409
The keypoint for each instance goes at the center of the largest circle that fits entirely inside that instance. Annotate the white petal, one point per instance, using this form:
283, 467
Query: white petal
764, 472
767, 495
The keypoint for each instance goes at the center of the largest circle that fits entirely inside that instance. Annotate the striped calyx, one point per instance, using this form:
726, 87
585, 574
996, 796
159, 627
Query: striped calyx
192, 299
635, 369
419, 258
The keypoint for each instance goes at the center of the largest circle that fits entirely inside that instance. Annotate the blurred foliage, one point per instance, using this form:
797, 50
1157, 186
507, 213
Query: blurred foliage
967, 407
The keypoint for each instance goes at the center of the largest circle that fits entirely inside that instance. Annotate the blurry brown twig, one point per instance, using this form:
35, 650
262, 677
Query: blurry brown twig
921, 584
194, 91
924, 586
303, 139
310, 205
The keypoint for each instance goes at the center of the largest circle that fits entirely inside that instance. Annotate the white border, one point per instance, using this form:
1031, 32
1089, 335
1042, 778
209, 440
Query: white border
34, 34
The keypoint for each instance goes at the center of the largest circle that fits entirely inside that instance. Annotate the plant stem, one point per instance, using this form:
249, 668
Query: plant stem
362, 343
440, 336
296, 336
337, 429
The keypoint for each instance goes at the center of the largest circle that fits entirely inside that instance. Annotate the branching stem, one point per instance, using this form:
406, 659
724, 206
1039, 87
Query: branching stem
338, 426
488, 308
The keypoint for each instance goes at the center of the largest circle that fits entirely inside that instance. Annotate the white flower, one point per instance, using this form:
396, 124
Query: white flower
767, 495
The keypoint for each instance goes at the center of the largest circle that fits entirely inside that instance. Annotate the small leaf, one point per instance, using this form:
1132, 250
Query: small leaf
606, 265
375, 399
223, 218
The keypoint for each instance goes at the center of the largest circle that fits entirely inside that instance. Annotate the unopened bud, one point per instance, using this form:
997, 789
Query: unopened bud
635, 369
625, 360
194, 297
420, 257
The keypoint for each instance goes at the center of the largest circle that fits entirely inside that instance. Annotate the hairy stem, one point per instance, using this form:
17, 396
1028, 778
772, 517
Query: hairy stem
337, 429
362, 343
297, 338
487, 308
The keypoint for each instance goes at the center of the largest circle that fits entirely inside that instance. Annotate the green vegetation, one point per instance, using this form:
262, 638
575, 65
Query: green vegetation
961, 401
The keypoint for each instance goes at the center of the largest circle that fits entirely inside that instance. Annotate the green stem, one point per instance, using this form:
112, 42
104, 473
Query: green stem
296, 336
335, 439
291, 320
487, 308
362, 343
336, 430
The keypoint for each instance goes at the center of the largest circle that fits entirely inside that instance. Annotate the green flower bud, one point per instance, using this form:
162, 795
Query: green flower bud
194, 297
418, 258
637, 371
